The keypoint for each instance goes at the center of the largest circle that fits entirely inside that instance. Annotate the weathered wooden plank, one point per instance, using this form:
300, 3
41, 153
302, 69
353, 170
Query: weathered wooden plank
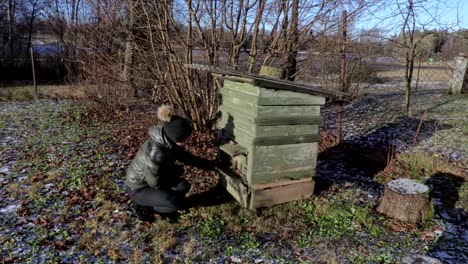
269, 131
287, 120
267, 163
285, 140
278, 97
282, 130
243, 123
241, 164
239, 124
242, 138
233, 149
281, 194
254, 197
268, 177
236, 187
286, 101
272, 97
250, 116
237, 112
271, 115
288, 110
279, 183
238, 98
246, 138
240, 95
241, 108
242, 87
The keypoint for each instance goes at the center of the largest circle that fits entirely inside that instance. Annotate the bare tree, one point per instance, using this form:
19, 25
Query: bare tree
129, 46
415, 21
11, 16
146, 43
32, 9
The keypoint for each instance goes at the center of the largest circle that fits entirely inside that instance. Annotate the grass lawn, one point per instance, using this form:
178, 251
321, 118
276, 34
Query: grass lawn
28, 92
61, 171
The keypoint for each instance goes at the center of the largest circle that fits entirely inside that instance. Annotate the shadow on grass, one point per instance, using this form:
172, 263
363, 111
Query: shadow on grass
357, 160
444, 192
216, 195
452, 246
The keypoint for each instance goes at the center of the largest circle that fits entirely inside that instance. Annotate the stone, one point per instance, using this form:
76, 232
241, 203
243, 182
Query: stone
420, 259
459, 82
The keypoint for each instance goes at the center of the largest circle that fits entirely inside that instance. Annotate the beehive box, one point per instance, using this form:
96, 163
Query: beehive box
278, 129
272, 132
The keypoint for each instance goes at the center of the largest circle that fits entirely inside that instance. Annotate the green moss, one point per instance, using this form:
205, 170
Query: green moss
429, 214
463, 197
211, 227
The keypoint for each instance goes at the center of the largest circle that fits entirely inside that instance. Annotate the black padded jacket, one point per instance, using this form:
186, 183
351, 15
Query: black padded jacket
156, 157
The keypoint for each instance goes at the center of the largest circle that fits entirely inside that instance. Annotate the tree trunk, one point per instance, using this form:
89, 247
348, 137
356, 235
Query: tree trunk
406, 200
71, 42
408, 79
343, 82
30, 29
253, 46
290, 62
417, 75
128, 58
11, 27
344, 42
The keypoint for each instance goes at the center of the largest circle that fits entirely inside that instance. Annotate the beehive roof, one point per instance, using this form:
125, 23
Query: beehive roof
267, 82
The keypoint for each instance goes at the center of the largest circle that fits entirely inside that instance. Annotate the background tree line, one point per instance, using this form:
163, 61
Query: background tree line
122, 49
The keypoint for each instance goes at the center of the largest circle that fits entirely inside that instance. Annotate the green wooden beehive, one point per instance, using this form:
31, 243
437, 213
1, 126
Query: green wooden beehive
279, 130
270, 130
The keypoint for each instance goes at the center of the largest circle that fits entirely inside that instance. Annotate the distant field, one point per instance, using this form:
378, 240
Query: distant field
27, 92
427, 72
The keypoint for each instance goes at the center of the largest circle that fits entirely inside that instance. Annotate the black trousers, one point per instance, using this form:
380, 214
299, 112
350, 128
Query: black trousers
169, 198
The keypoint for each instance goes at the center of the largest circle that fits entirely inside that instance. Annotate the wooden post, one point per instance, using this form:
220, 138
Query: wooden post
33, 71
406, 200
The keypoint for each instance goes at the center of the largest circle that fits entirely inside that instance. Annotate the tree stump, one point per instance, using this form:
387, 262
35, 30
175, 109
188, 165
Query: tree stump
406, 200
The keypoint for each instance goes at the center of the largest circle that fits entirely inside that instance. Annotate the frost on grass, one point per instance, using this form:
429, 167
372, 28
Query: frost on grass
407, 186
71, 208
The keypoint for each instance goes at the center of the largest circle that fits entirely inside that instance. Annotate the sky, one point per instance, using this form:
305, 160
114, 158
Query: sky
450, 14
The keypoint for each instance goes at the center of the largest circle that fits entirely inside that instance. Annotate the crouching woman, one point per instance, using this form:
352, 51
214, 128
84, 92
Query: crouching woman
153, 179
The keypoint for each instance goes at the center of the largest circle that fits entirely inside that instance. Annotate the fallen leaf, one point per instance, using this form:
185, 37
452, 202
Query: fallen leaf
428, 235
60, 245
249, 229
397, 228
